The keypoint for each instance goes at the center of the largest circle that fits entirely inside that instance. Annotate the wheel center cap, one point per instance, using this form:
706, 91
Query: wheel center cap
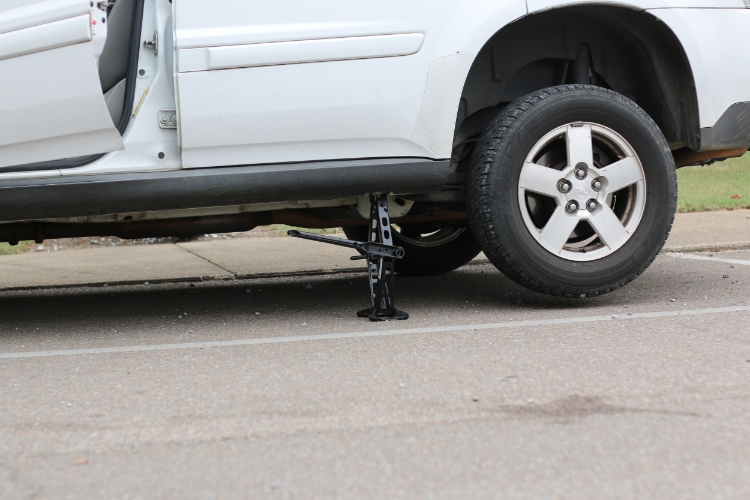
582, 191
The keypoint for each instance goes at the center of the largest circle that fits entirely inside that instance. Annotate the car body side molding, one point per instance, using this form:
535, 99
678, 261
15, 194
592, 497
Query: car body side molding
297, 52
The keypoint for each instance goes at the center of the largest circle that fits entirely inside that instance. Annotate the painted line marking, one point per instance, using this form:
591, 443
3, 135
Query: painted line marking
382, 333
712, 259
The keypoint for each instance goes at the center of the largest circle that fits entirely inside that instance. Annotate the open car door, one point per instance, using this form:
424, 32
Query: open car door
51, 102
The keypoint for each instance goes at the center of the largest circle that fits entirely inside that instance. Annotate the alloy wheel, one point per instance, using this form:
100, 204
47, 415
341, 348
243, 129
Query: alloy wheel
582, 191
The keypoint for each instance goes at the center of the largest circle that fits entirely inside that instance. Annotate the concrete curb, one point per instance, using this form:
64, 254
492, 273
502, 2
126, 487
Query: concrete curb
196, 279
99, 284
709, 247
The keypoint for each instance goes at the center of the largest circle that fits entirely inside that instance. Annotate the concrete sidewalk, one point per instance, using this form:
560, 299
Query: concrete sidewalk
265, 257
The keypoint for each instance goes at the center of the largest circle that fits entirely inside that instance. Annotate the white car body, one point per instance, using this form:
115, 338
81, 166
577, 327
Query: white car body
293, 81
287, 93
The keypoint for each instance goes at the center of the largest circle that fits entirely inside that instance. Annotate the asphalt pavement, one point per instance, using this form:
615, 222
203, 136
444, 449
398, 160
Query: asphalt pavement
272, 388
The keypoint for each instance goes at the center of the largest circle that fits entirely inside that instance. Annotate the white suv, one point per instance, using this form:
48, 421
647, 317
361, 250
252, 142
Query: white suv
543, 132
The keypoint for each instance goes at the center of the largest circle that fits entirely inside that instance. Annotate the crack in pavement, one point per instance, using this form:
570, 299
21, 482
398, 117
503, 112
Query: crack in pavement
206, 259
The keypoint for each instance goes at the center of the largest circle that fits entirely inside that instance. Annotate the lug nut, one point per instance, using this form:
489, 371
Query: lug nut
596, 185
591, 205
564, 186
580, 174
572, 207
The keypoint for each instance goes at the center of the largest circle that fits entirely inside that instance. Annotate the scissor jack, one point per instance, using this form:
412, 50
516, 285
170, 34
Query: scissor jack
380, 255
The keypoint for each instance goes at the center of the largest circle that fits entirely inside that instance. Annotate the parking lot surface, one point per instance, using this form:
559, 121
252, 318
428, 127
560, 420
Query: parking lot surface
274, 388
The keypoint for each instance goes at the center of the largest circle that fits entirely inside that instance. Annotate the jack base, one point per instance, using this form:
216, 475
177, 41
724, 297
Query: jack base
376, 315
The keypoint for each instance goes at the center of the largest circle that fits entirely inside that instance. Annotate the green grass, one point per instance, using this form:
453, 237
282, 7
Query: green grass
7, 249
712, 187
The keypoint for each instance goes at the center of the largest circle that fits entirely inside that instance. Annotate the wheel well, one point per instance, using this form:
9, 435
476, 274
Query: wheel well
628, 51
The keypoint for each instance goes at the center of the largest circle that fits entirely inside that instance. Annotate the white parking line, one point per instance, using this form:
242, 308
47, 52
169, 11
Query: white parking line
381, 333
713, 259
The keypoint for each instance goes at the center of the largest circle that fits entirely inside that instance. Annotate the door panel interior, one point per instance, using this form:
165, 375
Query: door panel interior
51, 101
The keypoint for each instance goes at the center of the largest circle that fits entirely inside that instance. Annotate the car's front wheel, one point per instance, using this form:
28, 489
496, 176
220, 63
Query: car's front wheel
572, 191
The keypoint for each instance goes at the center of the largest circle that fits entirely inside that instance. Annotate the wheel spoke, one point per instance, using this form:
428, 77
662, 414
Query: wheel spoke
622, 174
539, 179
608, 226
558, 228
580, 149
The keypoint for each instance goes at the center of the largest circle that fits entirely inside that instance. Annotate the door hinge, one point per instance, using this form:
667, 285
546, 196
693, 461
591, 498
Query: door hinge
153, 43
167, 118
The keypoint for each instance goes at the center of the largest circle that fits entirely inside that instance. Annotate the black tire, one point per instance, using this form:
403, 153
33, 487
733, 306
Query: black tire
495, 213
428, 260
